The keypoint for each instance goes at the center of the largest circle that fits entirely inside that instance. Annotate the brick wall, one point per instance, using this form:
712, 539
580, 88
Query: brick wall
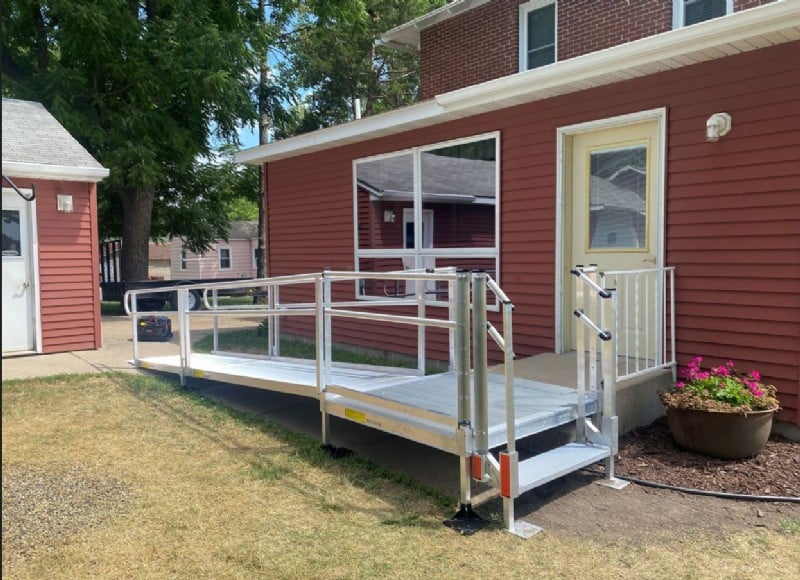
482, 44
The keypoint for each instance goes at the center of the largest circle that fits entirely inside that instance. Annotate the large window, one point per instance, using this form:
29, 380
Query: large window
688, 12
430, 207
537, 34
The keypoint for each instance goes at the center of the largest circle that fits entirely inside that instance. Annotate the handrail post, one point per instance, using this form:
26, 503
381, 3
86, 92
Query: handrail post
319, 292
465, 519
185, 342
421, 350
215, 303
592, 308
463, 375
480, 355
134, 323
580, 355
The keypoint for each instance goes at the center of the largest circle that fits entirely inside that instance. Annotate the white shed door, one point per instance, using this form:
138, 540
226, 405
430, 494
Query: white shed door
18, 313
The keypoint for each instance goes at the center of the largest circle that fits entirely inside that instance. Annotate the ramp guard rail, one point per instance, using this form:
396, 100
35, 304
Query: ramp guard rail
468, 358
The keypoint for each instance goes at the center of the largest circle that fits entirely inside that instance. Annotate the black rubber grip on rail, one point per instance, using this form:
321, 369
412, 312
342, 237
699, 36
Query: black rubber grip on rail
604, 294
604, 335
578, 312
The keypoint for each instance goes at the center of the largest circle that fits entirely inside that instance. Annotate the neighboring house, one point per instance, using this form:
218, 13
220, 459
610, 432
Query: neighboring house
51, 296
667, 136
159, 261
234, 258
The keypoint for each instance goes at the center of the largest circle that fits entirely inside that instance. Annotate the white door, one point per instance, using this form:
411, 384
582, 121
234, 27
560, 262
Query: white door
18, 304
614, 189
410, 262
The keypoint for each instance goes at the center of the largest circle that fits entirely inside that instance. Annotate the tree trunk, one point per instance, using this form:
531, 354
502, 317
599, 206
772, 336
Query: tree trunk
137, 211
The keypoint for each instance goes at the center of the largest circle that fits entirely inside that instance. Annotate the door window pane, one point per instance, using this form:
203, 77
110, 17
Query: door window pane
11, 235
618, 198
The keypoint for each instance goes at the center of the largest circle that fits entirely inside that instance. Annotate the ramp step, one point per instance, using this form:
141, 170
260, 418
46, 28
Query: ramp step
551, 465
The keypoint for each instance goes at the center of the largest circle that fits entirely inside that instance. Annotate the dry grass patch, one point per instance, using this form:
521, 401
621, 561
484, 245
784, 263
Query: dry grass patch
162, 483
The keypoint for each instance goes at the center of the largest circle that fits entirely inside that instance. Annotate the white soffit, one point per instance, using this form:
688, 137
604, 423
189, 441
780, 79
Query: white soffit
760, 27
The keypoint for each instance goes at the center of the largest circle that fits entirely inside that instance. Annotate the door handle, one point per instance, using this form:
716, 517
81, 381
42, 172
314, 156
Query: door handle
649, 260
23, 286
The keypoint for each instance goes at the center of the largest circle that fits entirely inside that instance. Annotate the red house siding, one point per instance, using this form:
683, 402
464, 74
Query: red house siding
483, 43
732, 211
68, 267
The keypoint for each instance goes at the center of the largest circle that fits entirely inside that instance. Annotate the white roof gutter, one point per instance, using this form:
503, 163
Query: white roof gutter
54, 172
406, 36
760, 27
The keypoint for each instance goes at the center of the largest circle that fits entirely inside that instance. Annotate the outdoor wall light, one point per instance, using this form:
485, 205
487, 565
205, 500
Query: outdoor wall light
64, 203
718, 125
388, 216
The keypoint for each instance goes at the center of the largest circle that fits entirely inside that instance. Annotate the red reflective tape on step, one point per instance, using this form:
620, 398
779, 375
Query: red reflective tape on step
505, 475
477, 467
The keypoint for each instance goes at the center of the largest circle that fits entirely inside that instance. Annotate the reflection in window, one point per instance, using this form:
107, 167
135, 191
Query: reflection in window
11, 233
452, 189
618, 198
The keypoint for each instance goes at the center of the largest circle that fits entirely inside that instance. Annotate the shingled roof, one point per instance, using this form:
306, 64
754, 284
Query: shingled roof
36, 145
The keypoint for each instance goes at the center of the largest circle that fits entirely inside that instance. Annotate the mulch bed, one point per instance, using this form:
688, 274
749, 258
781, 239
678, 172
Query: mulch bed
649, 453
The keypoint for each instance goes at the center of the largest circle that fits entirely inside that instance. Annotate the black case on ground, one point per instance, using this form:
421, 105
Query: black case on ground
154, 328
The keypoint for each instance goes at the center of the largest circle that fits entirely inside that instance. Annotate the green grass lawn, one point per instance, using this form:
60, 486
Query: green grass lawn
127, 475
253, 341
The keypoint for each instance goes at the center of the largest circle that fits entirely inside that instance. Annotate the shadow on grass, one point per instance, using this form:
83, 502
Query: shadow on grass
361, 473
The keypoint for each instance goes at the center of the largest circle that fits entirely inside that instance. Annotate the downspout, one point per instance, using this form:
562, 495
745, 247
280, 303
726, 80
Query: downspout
19, 192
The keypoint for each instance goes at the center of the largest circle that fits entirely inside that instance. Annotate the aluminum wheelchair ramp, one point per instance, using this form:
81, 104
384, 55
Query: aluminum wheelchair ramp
284, 375
424, 409
468, 411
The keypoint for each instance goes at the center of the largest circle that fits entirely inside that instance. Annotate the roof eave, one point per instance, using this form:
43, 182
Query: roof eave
406, 36
54, 172
737, 33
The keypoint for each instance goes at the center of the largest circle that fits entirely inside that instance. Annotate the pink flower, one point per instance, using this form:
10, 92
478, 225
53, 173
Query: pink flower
755, 375
680, 385
722, 371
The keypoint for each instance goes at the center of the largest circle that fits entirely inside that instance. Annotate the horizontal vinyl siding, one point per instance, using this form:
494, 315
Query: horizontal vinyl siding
68, 268
732, 209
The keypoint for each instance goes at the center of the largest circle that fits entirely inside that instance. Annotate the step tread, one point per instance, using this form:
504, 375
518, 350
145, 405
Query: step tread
552, 464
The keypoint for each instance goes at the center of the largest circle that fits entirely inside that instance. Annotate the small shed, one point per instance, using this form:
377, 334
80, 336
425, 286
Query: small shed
51, 293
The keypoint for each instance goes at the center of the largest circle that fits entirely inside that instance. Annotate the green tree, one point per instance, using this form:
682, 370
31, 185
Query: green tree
332, 57
144, 86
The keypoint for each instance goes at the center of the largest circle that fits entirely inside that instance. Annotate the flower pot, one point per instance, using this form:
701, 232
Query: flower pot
720, 434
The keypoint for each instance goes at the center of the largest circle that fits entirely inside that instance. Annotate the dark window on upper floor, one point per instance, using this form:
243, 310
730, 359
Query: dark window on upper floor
537, 34
688, 12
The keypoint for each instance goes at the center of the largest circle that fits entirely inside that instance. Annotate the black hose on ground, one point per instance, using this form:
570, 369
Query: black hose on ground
721, 494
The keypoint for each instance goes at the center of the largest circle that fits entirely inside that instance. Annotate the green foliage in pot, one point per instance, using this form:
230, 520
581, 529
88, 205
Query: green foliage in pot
721, 388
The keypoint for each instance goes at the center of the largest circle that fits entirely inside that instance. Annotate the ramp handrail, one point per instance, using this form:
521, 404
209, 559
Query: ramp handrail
590, 306
642, 300
505, 477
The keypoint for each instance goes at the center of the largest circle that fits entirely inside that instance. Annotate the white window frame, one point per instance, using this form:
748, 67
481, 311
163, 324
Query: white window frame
183, 260
524, 10
221, 249
679, 12
420, 253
